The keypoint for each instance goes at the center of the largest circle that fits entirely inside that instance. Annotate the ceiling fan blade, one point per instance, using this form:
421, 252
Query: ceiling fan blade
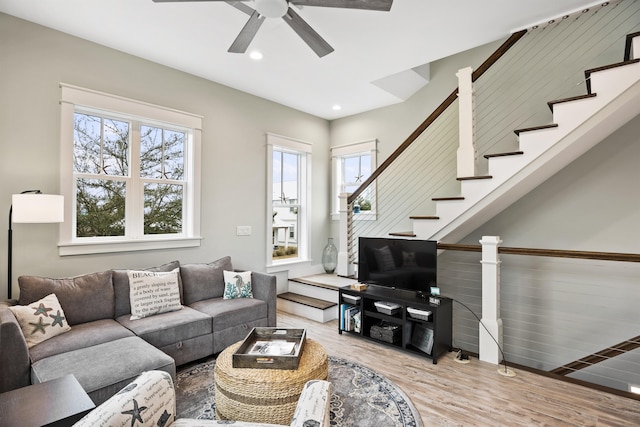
248, 32
308, 34
241, 6
384, 5
180, 1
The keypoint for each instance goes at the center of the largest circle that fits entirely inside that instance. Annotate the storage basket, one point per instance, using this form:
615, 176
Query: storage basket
419, 314
387, 307
386, 332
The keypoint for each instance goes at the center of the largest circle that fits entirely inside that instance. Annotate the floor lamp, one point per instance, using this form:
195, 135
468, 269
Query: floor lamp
32, 206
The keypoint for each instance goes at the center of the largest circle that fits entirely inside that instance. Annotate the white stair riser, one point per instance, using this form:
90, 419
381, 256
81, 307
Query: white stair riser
573, 113
635, 47
313, 291
609, 83
307, 312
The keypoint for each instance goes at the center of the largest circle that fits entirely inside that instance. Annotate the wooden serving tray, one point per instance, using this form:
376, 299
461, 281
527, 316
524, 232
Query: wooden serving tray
270, 348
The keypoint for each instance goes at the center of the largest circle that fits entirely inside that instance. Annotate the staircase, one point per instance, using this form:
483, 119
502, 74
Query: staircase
579, 123
314, 297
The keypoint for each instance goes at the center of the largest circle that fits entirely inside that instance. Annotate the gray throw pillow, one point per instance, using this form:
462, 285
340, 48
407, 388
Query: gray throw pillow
204, 281
83, 298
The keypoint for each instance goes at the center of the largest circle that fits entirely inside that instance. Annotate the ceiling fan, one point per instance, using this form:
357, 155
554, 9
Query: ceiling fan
280, 9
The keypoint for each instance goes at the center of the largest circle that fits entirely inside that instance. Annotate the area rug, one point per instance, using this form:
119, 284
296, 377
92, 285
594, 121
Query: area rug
360, 397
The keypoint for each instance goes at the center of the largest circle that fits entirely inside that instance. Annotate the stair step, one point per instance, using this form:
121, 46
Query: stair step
573, 98
308, 301
587, 73
441, 199
324, 281
469, 178
627, 45
519, 131
403, 234
424, 217
511, 153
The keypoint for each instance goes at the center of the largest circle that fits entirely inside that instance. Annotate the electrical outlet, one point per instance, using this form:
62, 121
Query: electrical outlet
243, 230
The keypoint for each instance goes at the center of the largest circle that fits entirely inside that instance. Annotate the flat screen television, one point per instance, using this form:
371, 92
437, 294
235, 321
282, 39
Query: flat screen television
398, 263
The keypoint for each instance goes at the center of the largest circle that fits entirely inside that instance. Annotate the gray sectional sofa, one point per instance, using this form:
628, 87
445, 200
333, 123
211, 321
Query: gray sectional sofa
106, 350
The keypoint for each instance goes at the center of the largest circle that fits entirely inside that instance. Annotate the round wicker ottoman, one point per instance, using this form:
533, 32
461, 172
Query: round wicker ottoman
265, 395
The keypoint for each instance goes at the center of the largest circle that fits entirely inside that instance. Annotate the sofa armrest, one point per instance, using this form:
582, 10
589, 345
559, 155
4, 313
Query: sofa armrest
15, 366
264, 287
313, 405
151, 394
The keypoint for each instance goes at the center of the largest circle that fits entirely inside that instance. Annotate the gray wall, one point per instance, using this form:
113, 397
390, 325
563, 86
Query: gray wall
35, 59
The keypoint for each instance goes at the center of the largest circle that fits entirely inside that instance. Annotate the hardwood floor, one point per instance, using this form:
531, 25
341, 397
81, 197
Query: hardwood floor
474, 394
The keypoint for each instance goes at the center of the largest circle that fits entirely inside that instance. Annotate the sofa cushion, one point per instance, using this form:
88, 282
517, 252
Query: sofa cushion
204, 281
80, 336
169, 328
232, 312
121, 286
104, 369
83, 298
149, 400
153, 292
237, 284
41, 320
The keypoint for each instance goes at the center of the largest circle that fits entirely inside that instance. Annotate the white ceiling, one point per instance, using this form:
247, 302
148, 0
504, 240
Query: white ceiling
370, 46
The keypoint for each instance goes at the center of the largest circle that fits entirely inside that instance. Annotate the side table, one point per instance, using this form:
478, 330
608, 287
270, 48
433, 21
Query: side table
59, 402
265, 395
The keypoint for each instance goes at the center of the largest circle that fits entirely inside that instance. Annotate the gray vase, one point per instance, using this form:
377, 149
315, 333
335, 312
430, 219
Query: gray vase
330, 257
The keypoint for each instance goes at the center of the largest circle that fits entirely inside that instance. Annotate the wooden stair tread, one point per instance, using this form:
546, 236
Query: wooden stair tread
308, 301
470, 178
403, 234
333, 283
519, 131
424, 217
511, 153
573, 98
440, 199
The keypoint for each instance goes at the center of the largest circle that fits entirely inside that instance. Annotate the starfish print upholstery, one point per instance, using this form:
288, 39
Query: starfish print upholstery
136, 413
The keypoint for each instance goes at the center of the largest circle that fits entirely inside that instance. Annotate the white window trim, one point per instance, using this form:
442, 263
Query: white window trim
283, 142
72, 96
337, 153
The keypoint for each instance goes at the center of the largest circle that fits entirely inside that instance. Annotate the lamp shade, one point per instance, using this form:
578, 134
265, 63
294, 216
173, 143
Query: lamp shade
35, 208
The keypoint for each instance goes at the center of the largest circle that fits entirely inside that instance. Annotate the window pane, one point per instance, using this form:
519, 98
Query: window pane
115, 149
351, 169
161, 153
100, 145
100, 208
174, 154
285, 178
163, 208
150, 152
285, 232
365, 166
86, 143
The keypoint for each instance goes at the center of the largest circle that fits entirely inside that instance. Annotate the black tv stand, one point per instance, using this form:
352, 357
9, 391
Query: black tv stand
406, 327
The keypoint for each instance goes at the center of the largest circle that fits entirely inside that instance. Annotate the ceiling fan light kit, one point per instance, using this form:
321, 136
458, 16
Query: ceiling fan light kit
280, 9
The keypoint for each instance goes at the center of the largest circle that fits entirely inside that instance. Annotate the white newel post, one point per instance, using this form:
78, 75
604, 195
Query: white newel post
466, 150
489, 351
344, 268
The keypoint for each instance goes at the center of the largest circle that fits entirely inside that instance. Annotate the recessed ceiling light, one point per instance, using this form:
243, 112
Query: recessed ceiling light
255, 55
337, 107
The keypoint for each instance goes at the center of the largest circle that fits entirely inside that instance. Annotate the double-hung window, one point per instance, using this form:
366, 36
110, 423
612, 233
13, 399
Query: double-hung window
129, 173
288, 204
353, 164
